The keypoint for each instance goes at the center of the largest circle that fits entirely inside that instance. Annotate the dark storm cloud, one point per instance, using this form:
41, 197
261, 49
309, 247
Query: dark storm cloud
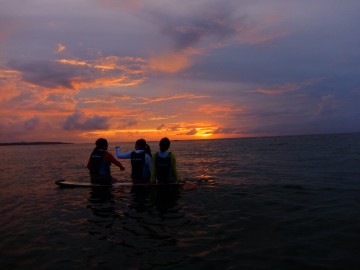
162, 126
225, 131
211, 24
46, 73
129, 123
23, 99
78, 121
191, 132
32, 123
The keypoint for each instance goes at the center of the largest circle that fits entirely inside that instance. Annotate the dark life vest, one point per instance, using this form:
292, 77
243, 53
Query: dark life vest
163, 168
137, 166
99, 168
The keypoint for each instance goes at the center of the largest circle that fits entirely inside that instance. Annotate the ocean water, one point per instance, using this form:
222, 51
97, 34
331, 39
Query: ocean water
253, 203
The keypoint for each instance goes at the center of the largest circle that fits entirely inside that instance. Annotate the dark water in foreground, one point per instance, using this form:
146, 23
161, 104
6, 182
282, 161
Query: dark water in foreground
261, 203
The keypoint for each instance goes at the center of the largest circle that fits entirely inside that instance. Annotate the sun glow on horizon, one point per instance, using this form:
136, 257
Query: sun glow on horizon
153, 134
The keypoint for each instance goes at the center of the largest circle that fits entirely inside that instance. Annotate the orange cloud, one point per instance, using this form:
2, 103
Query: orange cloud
115, 81
159, 99
109, 63
115, 111
21, 100
221, 111
113, 71
287, 87
105, 99
9, 83
59, 48
73, 62
172, 62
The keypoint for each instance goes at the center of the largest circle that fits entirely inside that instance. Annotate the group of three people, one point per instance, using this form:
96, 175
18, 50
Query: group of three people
145, 168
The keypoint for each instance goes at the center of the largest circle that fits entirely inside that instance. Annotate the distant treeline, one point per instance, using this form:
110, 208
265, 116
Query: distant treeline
32, 143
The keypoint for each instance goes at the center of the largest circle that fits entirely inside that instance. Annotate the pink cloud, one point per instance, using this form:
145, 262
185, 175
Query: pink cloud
287, 87
166, 98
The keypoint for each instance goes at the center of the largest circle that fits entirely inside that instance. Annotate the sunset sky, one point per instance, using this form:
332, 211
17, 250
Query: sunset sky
76, 70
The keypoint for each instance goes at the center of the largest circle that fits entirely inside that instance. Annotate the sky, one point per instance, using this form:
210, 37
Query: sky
77, 70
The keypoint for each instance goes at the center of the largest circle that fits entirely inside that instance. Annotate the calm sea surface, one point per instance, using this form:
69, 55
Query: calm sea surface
257, 203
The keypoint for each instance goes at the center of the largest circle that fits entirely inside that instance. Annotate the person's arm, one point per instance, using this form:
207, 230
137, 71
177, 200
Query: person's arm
113, 160
119, 155
174, 167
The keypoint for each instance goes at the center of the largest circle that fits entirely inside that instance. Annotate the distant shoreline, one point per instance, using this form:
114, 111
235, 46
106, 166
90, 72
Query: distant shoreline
32, 143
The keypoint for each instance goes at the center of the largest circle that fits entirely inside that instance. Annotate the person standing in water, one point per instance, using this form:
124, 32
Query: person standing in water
141, 163
164, 168
99, 163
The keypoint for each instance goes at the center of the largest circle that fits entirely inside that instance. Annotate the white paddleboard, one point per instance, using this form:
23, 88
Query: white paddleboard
66, 183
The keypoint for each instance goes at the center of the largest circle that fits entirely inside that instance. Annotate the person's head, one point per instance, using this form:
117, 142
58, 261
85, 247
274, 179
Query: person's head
140, 144
164, 144
101, 143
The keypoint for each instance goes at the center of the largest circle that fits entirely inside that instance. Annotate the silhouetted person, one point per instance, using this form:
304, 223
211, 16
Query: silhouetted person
99, 163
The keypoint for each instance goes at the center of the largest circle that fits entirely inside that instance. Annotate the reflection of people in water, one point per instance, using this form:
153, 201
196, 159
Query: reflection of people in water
162, 198
166, 198
102, 205
140, 199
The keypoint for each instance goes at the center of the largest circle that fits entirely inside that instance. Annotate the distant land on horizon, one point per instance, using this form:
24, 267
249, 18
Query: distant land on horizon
32, 143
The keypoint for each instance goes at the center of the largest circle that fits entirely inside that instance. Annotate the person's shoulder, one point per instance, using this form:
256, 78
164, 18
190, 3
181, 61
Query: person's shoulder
108, 155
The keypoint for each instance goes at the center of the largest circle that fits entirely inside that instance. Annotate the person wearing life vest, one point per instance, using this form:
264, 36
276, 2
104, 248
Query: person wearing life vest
164, 168
140, 161
99, 163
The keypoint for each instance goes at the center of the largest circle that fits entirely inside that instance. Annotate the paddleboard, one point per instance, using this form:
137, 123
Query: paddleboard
66, 183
